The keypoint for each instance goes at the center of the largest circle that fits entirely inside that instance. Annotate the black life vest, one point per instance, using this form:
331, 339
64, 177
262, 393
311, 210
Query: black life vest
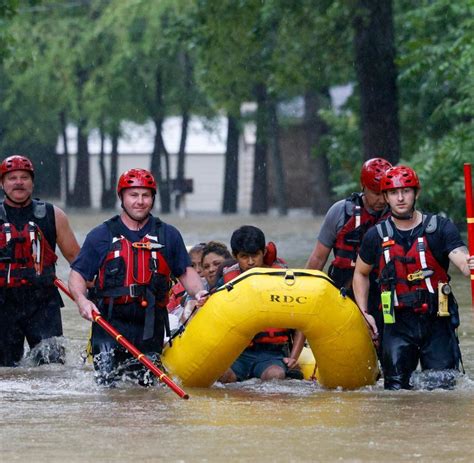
412, 275
27, 256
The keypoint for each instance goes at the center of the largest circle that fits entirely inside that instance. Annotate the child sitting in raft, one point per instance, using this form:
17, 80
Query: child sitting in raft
178, 296
267, 356
195, 254
213, 255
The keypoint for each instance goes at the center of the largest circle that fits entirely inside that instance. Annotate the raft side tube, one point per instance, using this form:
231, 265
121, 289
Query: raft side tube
306, 300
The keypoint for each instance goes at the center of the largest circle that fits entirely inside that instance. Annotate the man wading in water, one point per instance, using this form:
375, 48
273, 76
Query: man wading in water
411, 252
29, 302
130, 259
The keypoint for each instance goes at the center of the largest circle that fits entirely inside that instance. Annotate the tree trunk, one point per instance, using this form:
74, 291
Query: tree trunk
377, 79
277, 161
159, 148
181, 160
82, 195
109, 183
317, 160
63, 123
260, 184
114, 156
231, 169
102, 171
185, 111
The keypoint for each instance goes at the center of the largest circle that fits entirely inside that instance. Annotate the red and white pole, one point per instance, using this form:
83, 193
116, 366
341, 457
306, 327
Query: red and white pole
470, 218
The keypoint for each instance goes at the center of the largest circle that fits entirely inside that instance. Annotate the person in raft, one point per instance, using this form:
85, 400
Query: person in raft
213, 256
130, 258
411, 252
268, 356
178, 295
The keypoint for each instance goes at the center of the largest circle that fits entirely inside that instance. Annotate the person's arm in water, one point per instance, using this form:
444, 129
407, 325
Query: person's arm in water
65, 238
78, 287
360, 285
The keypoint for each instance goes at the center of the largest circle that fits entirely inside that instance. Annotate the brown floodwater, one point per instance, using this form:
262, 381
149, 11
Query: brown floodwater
56, 413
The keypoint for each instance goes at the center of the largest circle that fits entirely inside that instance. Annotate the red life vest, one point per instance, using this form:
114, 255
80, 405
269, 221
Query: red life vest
270, 259
349, 238
412, 275
269, 335
177, 293
134, 272
26, 258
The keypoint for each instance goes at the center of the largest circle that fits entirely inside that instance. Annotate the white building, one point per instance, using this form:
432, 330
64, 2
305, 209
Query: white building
205, 155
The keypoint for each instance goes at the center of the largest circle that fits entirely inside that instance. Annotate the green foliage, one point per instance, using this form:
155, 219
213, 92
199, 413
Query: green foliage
102, 61
342, 148
436, 62
439, 165
8, 9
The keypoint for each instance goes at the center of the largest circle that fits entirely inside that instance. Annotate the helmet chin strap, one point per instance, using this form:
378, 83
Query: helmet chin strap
404, 217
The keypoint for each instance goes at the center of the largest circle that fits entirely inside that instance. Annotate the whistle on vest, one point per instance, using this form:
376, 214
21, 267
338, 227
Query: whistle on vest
444, 290
387, 308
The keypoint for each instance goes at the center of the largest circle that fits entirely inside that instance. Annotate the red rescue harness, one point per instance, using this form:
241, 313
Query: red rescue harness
412, 275
349, 238
26, 258
134, 271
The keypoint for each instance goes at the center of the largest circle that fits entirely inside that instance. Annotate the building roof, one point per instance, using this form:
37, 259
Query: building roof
204, 137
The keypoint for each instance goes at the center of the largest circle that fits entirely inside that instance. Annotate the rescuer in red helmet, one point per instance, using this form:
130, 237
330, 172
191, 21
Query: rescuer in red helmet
344, 226
131, 259
346, 222
30, 303
411, 251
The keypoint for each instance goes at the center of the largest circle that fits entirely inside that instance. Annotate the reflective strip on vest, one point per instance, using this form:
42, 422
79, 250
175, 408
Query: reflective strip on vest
357, 214
386, 255
421, 252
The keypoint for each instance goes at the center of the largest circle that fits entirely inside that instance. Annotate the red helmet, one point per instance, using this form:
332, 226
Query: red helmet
139, 178
16, 162
372, 172
399, 177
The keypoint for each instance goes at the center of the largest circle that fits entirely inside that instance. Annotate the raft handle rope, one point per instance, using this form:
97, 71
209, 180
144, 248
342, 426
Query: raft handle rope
288, 274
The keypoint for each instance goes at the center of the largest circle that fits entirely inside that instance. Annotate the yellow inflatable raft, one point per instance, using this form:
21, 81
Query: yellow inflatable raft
306, 300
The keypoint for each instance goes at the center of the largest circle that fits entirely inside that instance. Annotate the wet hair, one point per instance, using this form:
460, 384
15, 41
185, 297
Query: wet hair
216, 247
197, 248
247, 239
